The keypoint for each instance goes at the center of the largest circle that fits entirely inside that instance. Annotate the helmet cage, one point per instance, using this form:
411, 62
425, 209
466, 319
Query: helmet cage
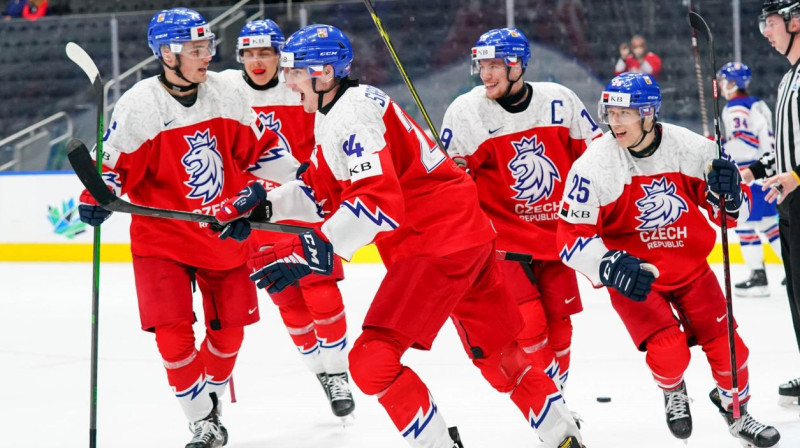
620, 99
510, 54
259, 34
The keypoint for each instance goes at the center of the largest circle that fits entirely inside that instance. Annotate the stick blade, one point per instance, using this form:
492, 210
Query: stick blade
83, 165
697, 22
80, 57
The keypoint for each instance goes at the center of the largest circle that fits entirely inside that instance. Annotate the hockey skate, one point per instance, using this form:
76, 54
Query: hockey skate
337, 388
755, 286
750, 432
208, 432
676, 407
789, 393
453, 431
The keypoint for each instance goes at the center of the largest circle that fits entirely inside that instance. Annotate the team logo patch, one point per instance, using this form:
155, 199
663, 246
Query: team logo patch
534, 173
660, 206
322, 32
203, 164
161, 17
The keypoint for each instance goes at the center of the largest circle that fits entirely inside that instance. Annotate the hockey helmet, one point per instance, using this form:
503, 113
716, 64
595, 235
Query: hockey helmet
174, 27
636, 90
506, 43
259, 34
785, 8
316, 46
737, 73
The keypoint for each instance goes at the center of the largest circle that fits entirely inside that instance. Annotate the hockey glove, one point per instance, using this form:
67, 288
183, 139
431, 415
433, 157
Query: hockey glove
289, 260
724, 179
90, 211
252, 203
629, 275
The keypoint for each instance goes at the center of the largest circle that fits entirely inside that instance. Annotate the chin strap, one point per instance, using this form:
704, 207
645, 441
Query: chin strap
321, 93
511, 83
177, 70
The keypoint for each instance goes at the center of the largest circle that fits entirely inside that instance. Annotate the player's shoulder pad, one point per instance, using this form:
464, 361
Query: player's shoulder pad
605, 166
229, 100
552, 89
692, 150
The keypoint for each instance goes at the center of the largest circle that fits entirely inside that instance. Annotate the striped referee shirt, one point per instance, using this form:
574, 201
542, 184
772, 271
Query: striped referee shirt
787, 130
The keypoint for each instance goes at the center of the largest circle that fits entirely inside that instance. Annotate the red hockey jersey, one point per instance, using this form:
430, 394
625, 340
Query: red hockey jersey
377, 177
520, 160
163, 154
649, 207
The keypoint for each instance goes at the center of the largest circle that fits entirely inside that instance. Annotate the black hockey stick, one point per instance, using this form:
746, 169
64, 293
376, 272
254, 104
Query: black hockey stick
403, 73
698, 70
84, 61
83, 166
697, 23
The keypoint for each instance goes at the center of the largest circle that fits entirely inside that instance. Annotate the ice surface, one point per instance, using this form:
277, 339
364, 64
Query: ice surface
45, 311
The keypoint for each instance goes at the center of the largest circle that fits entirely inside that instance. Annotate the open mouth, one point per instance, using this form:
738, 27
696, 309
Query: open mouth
259, 71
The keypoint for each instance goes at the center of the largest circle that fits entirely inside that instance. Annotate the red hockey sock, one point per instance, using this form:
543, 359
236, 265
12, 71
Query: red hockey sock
668, 357
533, 338
176, 345
218, 353
405, 398
560, 338
719, 357
298, 321
324, 302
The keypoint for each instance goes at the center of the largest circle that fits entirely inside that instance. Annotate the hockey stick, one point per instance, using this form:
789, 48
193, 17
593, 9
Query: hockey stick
698, 70
83, 166
697, 23
403, 73
79, 56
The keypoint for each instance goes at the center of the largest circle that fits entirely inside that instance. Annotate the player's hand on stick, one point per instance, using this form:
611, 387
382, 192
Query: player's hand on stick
724, 179
287, 261
90, 211
233, 212
629, 275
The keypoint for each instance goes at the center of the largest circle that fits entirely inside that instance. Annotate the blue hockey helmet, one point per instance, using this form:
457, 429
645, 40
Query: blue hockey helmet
259, 34
316, 46
174, 27
506, 43
737, 73
636, 90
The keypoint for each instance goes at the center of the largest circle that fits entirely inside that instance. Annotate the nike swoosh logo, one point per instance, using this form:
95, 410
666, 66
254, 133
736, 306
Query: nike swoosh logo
493, 131
567, 301
167, 123
252, 311
720, 318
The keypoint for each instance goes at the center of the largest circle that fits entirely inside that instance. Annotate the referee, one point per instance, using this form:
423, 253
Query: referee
780, 24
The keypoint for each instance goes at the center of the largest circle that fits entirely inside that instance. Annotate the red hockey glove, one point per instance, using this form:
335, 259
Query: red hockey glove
90, 211
278, 266
251, 203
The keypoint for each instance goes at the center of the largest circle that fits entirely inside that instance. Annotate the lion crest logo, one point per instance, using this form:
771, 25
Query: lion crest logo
660, 206
534, 173
203, 164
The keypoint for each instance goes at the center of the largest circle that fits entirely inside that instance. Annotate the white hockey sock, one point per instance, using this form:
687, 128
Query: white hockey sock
333, 355
555, 422
195, 401
428, 430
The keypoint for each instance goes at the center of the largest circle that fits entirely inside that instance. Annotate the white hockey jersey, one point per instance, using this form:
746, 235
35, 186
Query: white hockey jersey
748, 130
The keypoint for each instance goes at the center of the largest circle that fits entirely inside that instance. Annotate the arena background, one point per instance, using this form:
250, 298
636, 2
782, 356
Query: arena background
46, 99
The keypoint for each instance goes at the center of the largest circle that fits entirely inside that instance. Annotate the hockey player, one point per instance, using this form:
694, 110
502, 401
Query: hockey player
518, 141
632, 221
748, 137
377, 177
312, 310
183, 140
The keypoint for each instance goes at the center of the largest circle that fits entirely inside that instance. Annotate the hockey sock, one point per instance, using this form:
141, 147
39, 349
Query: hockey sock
533, 338
218, 354
752, 252
324, 302
560, 337
668, 357
773, 236
414, 413
719, 358
300, 325
542, 404
185, 371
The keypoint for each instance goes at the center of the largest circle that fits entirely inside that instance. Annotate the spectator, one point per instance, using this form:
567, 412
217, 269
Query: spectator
637, 59
14, 9
34, 10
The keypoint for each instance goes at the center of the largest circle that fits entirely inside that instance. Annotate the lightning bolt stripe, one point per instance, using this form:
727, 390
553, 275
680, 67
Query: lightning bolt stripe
420, 421
537, 419
378, 217
580, 244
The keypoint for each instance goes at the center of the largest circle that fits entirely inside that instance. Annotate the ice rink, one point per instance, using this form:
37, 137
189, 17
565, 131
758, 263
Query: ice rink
45, 311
